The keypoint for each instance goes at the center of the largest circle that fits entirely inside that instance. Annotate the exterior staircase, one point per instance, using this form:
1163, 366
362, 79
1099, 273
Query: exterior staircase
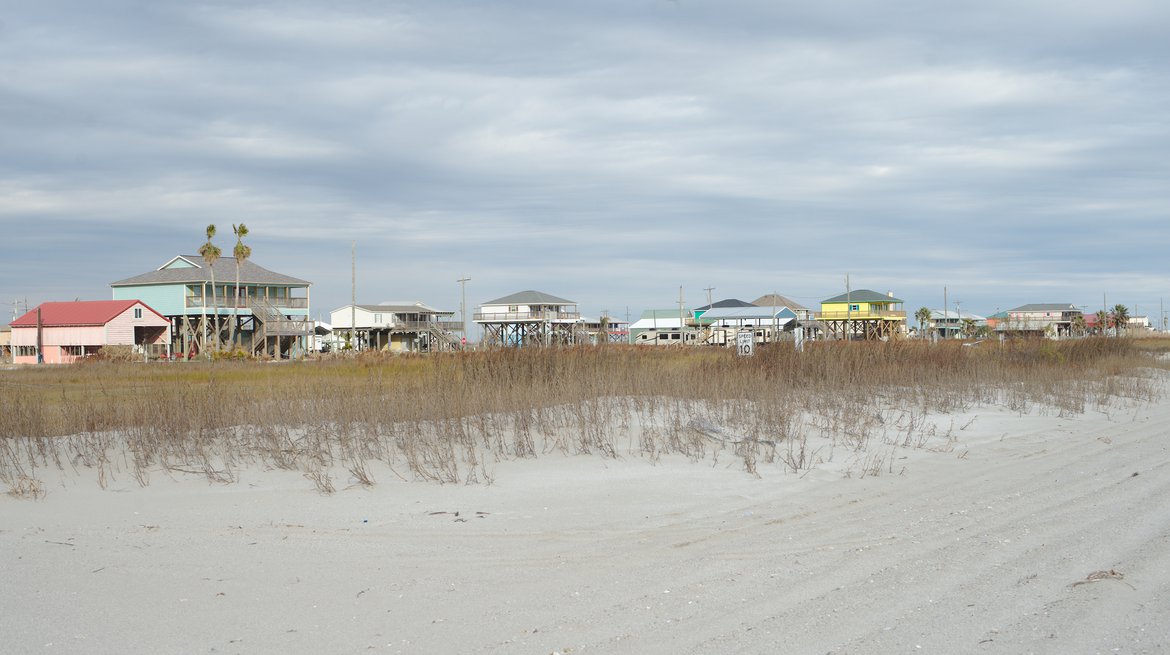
275, 329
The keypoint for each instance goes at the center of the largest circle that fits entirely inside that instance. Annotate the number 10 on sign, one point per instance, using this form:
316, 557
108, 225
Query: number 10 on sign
745, 343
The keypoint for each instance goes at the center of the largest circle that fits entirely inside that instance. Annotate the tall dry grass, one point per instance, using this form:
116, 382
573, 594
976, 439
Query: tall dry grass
448, 417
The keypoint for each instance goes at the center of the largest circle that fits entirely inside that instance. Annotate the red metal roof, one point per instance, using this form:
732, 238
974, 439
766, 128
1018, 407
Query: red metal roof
81, 312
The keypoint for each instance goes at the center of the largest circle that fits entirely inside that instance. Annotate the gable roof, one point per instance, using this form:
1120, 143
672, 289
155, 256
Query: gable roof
81, 312
1046, 307
661, 314
936, 314
191, 268
777, 300
744, 313
863, 295
729, 302
657, 323
530, 298
402, 308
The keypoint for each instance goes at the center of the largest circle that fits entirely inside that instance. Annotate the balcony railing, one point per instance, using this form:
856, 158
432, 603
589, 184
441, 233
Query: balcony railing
228, 302
861, 316
449, 326
288, 327
518, 317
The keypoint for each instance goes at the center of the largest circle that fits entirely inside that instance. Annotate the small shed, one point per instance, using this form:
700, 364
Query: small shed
65, 332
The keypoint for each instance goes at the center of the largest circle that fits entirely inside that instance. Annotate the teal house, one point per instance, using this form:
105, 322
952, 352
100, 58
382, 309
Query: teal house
267, 316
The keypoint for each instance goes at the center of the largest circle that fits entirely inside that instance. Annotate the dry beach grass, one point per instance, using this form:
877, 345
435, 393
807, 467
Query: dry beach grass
856, 498
449, 417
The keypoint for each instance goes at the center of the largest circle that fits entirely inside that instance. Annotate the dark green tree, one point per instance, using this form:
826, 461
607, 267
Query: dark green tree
1120, 318
210, 253
241, 253
923, 318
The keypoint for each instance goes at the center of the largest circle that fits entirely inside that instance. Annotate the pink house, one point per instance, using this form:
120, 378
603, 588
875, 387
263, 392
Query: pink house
69, 331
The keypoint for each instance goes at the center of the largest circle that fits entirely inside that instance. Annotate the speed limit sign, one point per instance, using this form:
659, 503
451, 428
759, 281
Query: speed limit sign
745, 343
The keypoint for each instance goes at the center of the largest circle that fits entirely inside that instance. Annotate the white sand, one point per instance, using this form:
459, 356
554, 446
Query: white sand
978, 549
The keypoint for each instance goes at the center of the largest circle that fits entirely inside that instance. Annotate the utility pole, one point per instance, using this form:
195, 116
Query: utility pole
1104, 313
463, 306
944, 328
709, 290
775, 323
958, 317
682, 333
353, 295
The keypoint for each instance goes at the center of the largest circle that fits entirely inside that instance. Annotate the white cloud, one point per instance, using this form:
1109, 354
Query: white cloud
264, 142
804, 141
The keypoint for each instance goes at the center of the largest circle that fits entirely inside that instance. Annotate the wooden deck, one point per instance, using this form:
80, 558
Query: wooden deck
526, 317
228, 303
889, 315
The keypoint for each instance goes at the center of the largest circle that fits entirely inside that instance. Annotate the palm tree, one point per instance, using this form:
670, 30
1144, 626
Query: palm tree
968, 328
1078, 325
1120, 318
1102, 319
923, 316
241, 253
211, 252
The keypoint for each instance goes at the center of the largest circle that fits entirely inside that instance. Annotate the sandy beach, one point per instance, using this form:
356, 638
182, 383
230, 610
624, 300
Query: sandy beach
1026, 533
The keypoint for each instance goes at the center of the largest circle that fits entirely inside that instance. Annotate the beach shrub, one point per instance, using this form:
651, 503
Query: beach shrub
443, 416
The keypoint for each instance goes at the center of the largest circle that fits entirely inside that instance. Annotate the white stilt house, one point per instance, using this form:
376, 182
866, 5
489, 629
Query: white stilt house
398, 327
530, 318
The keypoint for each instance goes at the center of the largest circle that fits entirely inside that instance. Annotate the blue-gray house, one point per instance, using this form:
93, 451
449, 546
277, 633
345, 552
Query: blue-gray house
269, 316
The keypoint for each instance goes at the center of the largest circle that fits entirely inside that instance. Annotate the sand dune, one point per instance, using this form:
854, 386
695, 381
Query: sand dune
1033, 533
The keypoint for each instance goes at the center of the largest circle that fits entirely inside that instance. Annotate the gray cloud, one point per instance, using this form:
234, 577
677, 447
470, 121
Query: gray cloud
607, 152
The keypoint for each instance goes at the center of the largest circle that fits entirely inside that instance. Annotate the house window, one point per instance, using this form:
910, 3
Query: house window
377, 318
137, 314
26, 351
513, 308
854, 308
72, 351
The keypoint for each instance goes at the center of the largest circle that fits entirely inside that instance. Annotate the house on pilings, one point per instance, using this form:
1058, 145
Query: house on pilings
863, 315
531, 318
396, 327
270, 313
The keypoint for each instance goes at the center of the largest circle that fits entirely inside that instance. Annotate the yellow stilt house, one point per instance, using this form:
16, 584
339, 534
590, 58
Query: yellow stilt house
863, 314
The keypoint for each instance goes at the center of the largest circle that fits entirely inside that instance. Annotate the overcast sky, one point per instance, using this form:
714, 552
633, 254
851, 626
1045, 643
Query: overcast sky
605, 152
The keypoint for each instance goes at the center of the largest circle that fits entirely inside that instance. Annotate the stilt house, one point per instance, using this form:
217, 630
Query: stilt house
530, 318
398, 327
269, 316
863, 314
